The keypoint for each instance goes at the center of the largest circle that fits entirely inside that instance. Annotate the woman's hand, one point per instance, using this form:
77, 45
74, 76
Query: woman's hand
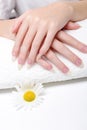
60, 48
39, 25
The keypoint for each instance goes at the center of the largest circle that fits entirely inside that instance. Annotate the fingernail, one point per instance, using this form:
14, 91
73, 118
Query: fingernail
69, 72
84, 49
78, 62
65, 70
53, 70
20, 66
28, 66
77, 25
49, 67
29, 61
13, 58
82, 65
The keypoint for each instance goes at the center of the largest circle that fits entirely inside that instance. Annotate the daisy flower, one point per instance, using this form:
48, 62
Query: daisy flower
28, 95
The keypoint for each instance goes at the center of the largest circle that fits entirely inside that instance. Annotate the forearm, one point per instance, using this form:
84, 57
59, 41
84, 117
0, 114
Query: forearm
5, 29
79, 9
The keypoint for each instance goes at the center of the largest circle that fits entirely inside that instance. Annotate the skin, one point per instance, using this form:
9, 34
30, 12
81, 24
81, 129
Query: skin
38, 31
39, 25
35, 32
57, 46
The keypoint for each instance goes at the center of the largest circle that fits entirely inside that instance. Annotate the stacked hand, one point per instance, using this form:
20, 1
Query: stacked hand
39, 34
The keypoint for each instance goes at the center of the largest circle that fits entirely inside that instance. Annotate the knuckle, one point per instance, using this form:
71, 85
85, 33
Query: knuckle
27, 18
53, 25
37, 19
44, 23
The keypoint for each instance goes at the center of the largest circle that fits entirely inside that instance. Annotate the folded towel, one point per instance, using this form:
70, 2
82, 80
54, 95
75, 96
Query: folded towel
10, 75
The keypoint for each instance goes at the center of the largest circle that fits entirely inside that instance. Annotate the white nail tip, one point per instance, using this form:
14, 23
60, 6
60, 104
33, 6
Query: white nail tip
28, 66
20, 66
13, 58
69, 73
82, 65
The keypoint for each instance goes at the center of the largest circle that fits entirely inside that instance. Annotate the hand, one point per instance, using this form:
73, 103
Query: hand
60, 48
38, 25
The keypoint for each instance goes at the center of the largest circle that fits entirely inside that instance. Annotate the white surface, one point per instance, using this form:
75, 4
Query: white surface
64, 108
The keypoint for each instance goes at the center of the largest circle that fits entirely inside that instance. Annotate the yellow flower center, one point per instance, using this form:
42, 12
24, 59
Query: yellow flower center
29, 96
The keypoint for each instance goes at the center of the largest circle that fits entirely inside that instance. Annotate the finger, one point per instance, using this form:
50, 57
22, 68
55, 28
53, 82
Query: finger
47, 43
66, 38
56, 61
25, 48
36, 44
18, 21
72, 26
42, 62
16, 25
19, 39
63, 50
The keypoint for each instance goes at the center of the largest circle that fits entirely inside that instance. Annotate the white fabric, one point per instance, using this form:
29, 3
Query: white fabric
64, 108
10, 75
6, 7
20, 6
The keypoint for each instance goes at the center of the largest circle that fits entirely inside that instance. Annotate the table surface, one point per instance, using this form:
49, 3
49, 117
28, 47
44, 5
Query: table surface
64, 108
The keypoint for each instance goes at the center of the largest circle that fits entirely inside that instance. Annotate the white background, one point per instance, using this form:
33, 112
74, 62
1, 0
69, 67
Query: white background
64, 108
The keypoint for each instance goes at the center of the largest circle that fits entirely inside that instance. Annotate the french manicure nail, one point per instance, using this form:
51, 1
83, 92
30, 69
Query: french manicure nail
28, 66
65, 70
13, 58
29, 61
78, 62
82, 65
77, 25
84, 49
20, 66
69, 72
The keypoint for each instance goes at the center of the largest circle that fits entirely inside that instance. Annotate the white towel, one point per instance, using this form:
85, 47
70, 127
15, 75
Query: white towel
10, 75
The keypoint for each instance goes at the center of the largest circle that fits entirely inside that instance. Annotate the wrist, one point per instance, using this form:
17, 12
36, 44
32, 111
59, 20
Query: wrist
66, 8
69, 8
5, 29
78, 9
